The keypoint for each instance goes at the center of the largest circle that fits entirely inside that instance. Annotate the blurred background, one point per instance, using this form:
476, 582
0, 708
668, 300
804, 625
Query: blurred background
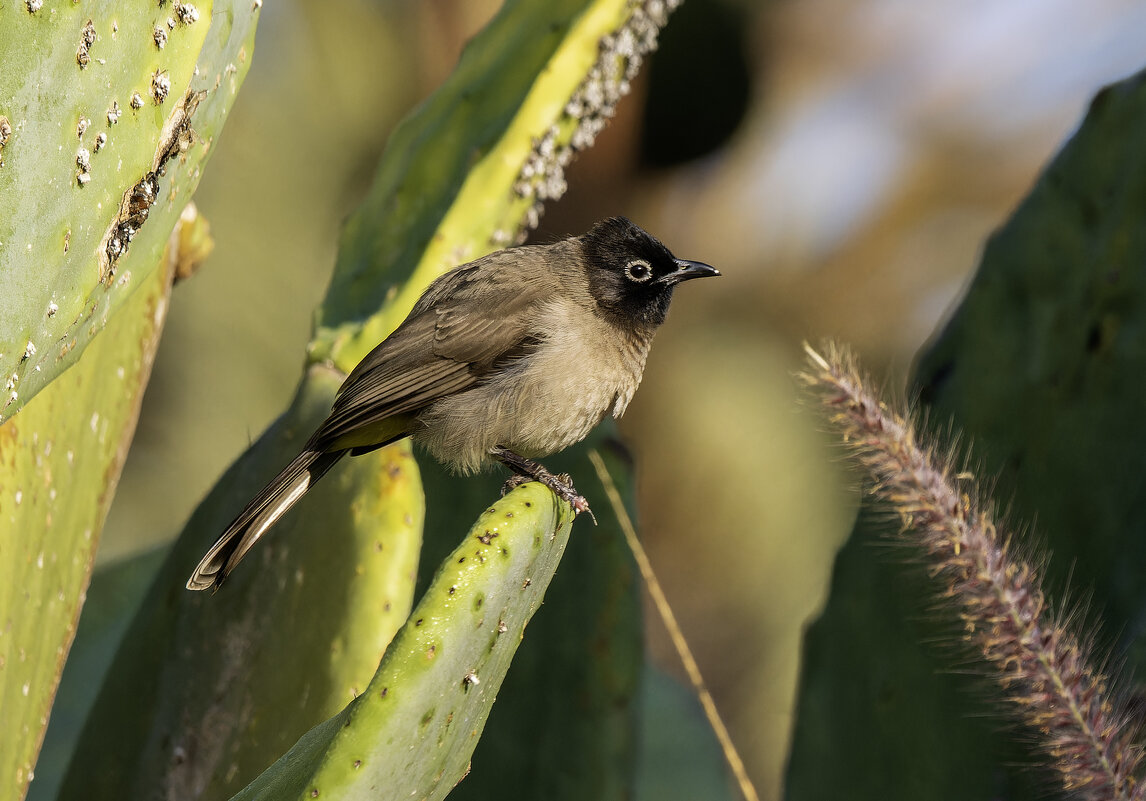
841, 162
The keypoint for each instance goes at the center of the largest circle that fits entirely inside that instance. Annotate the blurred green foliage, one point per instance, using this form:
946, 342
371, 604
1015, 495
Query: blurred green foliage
114, 595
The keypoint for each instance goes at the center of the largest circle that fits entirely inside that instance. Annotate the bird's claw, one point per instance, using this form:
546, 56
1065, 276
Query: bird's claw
563, 487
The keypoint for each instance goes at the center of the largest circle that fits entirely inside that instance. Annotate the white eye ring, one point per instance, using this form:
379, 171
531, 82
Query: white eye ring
638, 270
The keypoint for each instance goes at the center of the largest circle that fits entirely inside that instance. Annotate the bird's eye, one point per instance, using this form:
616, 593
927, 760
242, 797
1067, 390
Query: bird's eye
638, 270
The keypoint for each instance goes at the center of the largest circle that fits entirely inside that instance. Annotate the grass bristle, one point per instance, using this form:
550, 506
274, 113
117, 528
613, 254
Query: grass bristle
1035, 655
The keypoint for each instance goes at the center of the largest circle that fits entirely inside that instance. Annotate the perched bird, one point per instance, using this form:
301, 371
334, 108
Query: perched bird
514, 356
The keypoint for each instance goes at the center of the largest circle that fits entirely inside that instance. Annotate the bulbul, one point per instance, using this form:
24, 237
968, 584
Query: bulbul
509, 358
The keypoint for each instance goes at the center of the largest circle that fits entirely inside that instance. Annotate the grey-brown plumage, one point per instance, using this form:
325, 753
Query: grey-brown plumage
506, 359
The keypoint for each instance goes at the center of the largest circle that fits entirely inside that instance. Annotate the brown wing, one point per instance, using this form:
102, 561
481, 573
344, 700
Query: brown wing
469, 320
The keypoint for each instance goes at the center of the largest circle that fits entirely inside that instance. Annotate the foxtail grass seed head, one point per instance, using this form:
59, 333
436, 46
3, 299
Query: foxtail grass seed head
1036, 655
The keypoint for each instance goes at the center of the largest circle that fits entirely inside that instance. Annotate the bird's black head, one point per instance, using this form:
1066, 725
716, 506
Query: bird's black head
631, 274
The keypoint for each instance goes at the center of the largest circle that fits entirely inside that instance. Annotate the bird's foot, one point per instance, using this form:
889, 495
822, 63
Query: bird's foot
526, 470
562, 486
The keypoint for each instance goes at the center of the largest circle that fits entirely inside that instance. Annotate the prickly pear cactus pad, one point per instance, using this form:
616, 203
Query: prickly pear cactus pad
107, 113
59, 461
412, 731
580, 742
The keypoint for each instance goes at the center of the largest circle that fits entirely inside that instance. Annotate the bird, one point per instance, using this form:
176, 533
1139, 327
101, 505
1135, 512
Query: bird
506, 359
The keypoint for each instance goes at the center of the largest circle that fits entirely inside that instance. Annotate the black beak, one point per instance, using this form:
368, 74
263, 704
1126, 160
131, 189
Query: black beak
687, 270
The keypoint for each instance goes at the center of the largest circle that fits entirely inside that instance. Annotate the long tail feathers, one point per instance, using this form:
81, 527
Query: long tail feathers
259, 515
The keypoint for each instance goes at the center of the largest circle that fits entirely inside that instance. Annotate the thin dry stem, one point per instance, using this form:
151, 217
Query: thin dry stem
660, 601
1038, 659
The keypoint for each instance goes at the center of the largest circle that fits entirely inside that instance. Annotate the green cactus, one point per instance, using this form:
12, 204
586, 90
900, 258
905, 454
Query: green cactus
1042, 366
412, 730
107, 114
580, 741
114, 594
60, 459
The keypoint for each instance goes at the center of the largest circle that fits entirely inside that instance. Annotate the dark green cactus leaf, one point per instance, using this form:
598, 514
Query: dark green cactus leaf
413, 729
209, 689
115, 593
1042, 365
107, 114
680, 756
879, 713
